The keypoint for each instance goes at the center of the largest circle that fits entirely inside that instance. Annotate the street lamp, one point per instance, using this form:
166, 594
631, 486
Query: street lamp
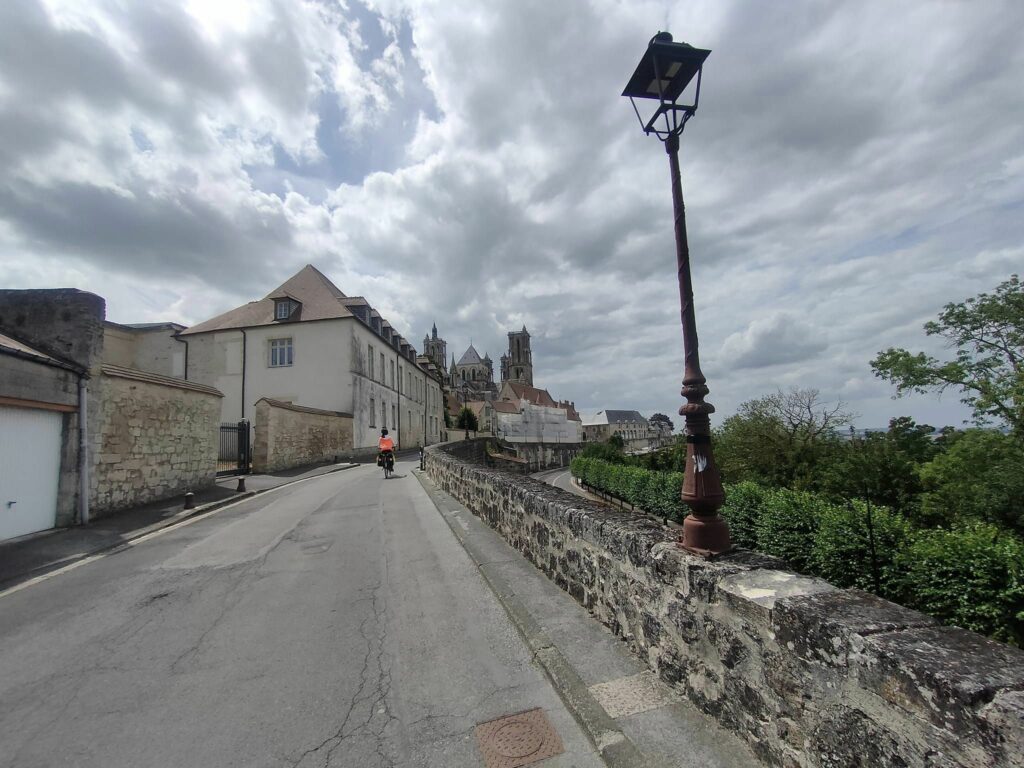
664, 74
465, 406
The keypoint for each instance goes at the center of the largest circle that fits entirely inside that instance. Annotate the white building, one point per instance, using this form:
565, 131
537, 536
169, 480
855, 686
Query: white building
309, 344
636, 431
525, 414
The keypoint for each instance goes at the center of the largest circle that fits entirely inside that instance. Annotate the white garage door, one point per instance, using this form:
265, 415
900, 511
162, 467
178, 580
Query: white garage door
30, 443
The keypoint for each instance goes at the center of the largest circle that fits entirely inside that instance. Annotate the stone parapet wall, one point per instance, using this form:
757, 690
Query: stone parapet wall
289, 435
155, 437
810, 675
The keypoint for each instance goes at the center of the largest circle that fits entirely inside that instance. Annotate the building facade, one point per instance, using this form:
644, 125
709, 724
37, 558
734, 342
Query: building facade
308, 344
636, 432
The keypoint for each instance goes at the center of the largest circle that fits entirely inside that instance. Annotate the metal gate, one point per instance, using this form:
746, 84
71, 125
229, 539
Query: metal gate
234, 456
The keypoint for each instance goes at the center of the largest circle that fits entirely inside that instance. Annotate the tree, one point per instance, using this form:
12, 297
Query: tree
987, 333
780, 439
882, 467
617, 441
979, 477
466, 420
661, 423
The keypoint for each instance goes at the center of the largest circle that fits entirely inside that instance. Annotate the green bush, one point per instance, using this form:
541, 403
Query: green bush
743, 505
842, 547
787, 525
654, 492
972, 577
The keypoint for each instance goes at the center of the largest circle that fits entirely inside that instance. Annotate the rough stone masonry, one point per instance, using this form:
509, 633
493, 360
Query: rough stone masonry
810, 675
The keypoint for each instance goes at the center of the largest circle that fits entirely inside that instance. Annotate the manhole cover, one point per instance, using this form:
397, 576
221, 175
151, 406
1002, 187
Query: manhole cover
516, 740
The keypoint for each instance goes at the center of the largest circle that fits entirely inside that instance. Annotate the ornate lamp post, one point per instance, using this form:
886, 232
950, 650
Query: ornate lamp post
663, 74
465, 405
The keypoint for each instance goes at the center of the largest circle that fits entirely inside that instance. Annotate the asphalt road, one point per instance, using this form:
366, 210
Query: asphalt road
335, 622
560, 478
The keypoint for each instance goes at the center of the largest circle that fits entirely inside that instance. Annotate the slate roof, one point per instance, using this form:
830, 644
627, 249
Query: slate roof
15, 348
320, 299
613, 417
470, 357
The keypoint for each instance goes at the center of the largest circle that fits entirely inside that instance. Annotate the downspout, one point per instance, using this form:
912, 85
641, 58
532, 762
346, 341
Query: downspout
177, 337
243, 372
398, 425
83, 450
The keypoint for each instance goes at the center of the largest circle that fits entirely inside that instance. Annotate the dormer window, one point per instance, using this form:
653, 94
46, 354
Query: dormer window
283, 308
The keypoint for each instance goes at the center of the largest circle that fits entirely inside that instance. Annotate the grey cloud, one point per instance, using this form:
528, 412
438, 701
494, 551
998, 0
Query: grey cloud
781, 338
148, 236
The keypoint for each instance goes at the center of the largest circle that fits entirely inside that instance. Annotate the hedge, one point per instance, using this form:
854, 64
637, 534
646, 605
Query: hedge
972, 577
654, 492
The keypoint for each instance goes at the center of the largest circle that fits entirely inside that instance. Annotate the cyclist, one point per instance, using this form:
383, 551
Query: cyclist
386, 446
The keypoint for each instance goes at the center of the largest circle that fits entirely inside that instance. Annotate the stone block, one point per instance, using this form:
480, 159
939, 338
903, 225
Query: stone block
1003, 720
942, 675
824, 626
753, 593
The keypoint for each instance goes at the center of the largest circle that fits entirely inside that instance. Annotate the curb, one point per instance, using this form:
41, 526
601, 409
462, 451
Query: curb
614, 747
124, 543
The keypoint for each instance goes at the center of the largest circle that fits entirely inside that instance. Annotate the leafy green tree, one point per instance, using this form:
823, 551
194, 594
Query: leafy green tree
466, 420
617, 441
987, 333
979, 477
603, 451
780, 440
882, 467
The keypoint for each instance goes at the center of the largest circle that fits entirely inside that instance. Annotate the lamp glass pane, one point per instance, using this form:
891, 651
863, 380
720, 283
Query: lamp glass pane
653, 87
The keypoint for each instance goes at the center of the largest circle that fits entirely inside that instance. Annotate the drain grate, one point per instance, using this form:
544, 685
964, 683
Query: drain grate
516, 740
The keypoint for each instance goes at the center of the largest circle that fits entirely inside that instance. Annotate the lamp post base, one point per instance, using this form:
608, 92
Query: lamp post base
705, 536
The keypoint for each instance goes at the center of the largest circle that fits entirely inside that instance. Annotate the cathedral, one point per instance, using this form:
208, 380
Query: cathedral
476, 374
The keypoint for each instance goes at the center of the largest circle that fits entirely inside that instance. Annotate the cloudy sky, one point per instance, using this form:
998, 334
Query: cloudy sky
853, 167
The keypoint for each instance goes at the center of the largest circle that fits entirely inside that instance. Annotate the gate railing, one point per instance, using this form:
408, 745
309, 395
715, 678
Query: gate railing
234, 455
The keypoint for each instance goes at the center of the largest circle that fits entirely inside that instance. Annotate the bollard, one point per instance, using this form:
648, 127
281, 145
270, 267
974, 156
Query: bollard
190, 500
241, 485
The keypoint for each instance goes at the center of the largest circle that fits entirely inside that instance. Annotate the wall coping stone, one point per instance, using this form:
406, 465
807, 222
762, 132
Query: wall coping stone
302, 408
156, 378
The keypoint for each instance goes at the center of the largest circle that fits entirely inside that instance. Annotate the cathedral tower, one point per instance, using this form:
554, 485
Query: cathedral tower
517, 365
435, 348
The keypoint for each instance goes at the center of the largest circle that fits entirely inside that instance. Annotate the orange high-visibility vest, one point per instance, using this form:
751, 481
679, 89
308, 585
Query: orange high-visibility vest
386, 444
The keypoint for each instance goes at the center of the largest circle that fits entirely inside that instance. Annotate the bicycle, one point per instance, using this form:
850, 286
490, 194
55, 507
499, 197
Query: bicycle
388, 462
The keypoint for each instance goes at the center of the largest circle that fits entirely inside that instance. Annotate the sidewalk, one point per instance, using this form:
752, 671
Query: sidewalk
633, 719
29, 556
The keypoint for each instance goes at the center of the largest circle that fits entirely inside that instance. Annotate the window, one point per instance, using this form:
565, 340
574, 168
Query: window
391, 381
369, 356
280, 352
373, 410
381, 367
384, 415
394, 416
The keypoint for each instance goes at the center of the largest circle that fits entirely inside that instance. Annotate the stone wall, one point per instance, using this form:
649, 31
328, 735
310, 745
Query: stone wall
809, 675
64, 322
292, 435
156, 437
